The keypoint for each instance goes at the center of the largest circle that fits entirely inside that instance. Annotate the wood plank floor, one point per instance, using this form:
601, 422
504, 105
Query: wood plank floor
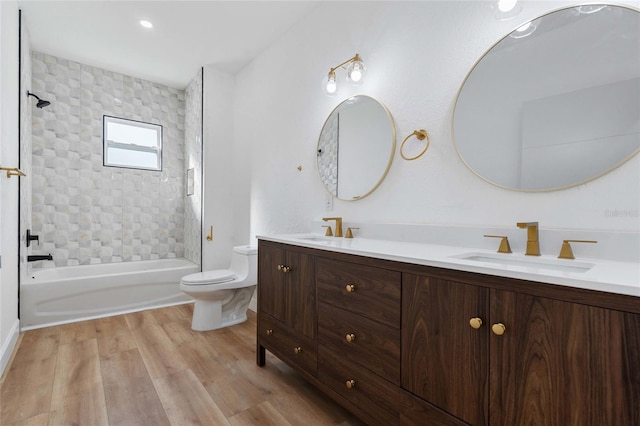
150, 368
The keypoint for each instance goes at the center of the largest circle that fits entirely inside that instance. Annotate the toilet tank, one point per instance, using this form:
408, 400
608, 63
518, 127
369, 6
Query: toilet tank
244, 262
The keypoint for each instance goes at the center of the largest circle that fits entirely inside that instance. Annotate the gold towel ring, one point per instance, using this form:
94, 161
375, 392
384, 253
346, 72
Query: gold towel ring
421, 135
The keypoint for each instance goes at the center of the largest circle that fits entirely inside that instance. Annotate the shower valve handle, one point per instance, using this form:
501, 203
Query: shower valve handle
31, 237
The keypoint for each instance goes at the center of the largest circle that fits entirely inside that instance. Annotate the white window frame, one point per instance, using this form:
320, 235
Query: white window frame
107, 143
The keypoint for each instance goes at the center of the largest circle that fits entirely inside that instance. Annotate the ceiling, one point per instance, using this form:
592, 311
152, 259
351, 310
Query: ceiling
185, 35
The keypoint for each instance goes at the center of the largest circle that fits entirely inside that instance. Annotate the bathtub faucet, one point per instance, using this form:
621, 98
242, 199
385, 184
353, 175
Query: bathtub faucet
34, 257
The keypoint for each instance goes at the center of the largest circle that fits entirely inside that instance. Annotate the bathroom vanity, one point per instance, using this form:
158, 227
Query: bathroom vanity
414, 334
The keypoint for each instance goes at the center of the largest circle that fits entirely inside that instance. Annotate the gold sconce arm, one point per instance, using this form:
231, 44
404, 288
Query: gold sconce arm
12, 171
566, 252
354, 59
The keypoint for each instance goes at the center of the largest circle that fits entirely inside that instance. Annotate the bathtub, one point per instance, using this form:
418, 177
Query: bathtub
72, 293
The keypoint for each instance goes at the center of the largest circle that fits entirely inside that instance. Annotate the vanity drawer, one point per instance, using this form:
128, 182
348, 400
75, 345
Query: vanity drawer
288, 345
371, 344
366, 290
371, 396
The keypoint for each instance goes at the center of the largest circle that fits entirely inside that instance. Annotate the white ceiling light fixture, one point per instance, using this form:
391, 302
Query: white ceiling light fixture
146, 24
506, 9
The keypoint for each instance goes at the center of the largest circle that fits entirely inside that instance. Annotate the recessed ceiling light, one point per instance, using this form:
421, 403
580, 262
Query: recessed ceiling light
146, 23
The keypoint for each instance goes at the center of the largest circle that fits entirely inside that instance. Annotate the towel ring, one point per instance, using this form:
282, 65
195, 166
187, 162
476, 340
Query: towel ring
421, 135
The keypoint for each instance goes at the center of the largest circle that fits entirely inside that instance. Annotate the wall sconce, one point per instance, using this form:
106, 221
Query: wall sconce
355, 74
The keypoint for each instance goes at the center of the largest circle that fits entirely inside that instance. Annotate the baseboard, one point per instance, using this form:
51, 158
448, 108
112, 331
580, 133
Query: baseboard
8, 346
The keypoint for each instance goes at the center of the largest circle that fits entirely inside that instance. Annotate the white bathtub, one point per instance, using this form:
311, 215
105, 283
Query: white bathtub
72, 293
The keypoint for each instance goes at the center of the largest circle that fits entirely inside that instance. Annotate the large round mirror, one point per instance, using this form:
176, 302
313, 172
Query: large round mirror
356, 147
556, 102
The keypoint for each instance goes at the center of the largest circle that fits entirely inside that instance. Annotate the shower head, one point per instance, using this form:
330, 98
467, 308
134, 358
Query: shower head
41, 103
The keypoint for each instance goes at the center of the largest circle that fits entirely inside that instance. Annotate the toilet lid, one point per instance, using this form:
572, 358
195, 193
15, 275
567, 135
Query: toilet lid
209, 277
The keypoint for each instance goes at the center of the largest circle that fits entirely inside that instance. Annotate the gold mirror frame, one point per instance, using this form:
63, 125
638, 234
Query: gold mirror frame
391, 151
583, 181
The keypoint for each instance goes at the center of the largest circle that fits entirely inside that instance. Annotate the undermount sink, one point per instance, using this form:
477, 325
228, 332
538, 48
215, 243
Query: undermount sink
539, 263
315, 239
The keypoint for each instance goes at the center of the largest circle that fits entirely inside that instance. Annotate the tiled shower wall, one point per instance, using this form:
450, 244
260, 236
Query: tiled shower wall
193, 160
87, 213
328, 154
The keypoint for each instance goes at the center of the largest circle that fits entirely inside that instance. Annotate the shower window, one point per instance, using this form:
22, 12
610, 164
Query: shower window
131, 144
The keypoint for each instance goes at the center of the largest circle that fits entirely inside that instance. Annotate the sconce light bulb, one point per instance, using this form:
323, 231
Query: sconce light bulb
506, 5
330, 86
356, 74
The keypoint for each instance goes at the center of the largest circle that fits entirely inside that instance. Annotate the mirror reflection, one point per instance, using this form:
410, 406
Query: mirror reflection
356, 147
556, 102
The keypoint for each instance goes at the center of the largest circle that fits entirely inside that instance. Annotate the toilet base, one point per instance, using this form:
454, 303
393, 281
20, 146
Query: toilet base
214, 314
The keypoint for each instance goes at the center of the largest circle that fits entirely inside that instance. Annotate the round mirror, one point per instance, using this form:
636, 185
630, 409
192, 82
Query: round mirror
555, 103
356, 147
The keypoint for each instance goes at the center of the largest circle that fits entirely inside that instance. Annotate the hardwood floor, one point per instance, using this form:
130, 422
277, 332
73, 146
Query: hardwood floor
150, 368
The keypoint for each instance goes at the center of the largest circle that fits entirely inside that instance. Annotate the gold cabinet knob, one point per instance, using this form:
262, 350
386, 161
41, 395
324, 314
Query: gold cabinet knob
498, 329
350, 288
475, 323
297, 350
286, 269
269, 332
350, 384
279, 267
351, 337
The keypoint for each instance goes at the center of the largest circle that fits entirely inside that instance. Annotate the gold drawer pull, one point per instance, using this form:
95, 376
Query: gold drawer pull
269, 332
351, 337
475, 323
498, 329
297, 350
350, 384
350, 288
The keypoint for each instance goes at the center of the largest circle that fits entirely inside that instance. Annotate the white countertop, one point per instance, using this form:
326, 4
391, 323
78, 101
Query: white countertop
602, 275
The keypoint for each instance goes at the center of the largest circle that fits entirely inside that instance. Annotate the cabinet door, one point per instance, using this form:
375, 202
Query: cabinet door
444, 359
301, 294
271, 290
561, 363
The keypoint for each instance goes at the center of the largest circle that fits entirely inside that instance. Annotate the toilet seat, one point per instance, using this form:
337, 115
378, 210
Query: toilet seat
209, 277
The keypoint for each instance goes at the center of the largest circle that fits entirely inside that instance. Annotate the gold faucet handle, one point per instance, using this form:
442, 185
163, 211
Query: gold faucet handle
566, 252
504, 243
329, 232
349, 234
338, 220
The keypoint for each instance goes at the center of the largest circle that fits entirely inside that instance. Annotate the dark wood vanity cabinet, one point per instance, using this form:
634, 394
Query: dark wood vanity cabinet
444, 359
359, 335
562, 363
532, 360
287, 305
405, 344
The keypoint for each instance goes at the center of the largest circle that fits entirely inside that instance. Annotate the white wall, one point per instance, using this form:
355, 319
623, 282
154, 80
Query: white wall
8, 187
226, 174
417, 55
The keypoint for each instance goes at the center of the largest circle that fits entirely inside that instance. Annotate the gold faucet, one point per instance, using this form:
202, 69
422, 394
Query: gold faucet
565, 250
533, 245
338, 220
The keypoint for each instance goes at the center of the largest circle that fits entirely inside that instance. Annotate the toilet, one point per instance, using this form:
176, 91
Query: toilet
222, 296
